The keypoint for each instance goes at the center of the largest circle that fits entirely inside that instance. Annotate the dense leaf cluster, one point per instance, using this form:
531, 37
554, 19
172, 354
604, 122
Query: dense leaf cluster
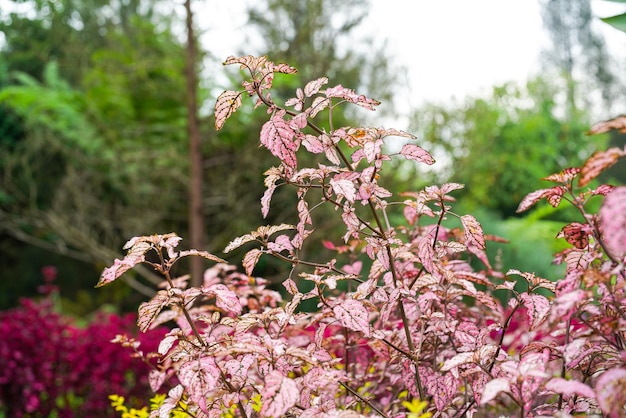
406, 309
49, 366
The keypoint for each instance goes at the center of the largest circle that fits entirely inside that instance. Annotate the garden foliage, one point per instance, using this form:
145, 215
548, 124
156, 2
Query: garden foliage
50, 367
409, 307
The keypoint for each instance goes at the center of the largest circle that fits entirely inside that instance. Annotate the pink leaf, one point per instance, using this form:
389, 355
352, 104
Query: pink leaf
569, 387
227, 103
250, 260
203, 254
618, 123
312, 87
225, 298
344, 186
313, 144
613, 221
564, 177
537, 306
279, 394
414, 152
493, 388
266, 199
597, 163
199, 377
350, 96
553, 195
457, 360
239, 241
473, 231
148, 311
353, 315
576, 234
279, 137
611, 392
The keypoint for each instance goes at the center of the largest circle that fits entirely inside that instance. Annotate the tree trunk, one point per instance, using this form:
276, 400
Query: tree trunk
196, 216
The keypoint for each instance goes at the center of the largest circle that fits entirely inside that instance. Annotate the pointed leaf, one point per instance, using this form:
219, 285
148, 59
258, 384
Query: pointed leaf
597, 163
413, 152
353, 315
553, 194
279, 137
227, 103
203, 254
350, 96
148, 311
225, 298
457, 360
473, 231
576, 234
619, 23
610, 392
278, 395
312, 87
569, 387
493, 388
250, 260
239, 241
538, 308
618, 123
564, 177
344, 187
613, 221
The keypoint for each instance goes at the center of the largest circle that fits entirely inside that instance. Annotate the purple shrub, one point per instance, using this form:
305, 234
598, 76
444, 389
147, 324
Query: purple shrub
417, 324
48, 365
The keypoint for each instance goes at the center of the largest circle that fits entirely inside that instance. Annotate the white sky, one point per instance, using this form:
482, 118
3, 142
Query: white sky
450, 47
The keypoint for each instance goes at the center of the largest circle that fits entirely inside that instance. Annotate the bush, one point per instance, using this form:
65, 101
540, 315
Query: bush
49, 367
407, 324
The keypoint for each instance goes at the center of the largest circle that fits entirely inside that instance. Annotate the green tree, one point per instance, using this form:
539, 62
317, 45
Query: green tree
501, 145
578, 53
103, 159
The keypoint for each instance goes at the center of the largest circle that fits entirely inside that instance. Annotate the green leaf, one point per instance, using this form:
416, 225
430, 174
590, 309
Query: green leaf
618, 22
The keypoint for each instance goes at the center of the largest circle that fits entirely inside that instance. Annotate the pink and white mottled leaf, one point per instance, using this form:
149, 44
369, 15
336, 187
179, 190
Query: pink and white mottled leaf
227, 103
353, 315
149, 310
618, 123
199, 377
414, 152
569, 387
538, 308
239, 241
251, 259
350, 96
319, 103
611, 392
613, 221
343, 186
313, 144
553, 195
278, 395
493, 388
457, 360
279, 137
225, 298
597, 163
203, 254
564, 177
313, 87
473, 231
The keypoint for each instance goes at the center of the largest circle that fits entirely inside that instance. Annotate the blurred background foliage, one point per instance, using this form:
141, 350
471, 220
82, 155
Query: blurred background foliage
94, 149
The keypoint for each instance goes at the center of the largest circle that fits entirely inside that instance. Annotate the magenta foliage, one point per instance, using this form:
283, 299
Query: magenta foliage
48, 365
406, 308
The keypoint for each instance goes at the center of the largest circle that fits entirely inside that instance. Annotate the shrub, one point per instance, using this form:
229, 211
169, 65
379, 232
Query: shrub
50, 367
407, 321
